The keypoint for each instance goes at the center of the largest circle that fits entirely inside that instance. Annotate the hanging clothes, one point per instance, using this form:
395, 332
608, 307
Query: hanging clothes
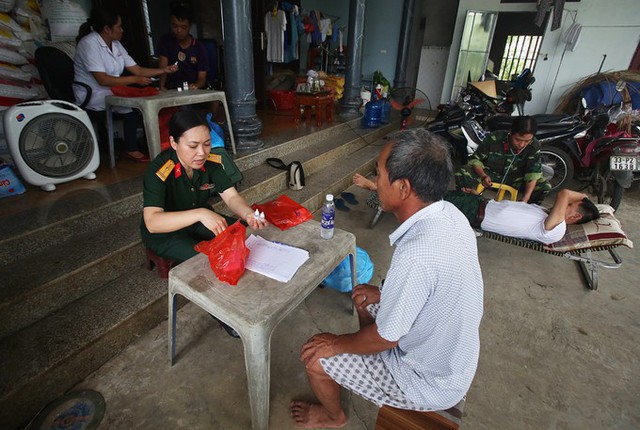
324, 26
291, 52
316, 36
275, 23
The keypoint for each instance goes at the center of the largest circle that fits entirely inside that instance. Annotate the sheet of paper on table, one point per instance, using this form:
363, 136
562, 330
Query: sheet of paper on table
274, 260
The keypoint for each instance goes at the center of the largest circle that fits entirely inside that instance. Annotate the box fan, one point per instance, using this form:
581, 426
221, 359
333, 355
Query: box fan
51, 141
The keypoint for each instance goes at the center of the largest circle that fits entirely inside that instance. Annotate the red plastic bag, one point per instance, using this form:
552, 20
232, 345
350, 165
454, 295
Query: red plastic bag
227, 253
125, 91
283, 212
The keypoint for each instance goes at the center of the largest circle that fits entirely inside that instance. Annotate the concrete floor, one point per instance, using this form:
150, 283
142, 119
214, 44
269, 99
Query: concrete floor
554, 355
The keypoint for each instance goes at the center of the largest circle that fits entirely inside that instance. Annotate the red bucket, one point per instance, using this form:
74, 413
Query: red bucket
282, 100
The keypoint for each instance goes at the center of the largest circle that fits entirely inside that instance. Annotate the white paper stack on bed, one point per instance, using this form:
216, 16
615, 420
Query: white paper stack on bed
274, 260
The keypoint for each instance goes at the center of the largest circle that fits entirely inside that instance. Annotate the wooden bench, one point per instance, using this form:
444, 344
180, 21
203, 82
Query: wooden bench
402, 419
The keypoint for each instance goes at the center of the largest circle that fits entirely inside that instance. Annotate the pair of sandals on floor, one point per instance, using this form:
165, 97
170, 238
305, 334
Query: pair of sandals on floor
345, 197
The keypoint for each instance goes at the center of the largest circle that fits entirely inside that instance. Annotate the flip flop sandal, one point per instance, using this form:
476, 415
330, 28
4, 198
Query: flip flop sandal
340, 205
350, 198
373, 201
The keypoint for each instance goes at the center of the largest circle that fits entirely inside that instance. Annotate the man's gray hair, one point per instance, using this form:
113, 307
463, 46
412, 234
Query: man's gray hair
422, 158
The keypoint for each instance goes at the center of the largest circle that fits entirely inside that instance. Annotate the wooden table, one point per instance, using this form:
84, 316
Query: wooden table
321, 101
151, 106
257, 304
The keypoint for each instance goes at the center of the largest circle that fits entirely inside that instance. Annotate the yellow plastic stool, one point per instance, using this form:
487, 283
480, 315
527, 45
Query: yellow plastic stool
502, 188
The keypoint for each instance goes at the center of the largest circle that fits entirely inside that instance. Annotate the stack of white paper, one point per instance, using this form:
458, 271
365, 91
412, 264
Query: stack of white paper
274, 260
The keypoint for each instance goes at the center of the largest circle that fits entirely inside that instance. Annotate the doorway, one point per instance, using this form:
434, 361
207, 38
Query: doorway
270, 75
135, 37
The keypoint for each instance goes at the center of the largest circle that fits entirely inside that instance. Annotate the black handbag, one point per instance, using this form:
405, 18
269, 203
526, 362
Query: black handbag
295, 172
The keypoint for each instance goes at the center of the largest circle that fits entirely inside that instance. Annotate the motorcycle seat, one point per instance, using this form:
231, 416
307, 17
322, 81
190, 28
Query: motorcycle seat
547, 123
550, 118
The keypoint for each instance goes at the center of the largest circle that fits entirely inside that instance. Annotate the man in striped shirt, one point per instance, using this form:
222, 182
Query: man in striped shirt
418, 343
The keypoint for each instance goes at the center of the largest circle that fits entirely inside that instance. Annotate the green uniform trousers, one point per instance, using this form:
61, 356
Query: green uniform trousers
467, 178
178, 245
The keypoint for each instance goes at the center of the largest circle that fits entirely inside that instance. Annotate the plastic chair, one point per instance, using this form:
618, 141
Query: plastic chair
154, 260
502, 189
57, 74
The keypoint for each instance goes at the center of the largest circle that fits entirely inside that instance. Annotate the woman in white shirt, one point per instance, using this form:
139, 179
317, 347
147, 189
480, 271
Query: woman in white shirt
99, 62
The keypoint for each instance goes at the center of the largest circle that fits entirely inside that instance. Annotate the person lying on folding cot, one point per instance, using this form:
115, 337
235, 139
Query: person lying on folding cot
523, 220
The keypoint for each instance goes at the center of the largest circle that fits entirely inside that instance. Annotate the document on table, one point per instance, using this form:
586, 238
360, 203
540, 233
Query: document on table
274, 260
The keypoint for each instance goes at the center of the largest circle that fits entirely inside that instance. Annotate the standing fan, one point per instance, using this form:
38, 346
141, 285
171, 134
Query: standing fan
51, 142
405, 99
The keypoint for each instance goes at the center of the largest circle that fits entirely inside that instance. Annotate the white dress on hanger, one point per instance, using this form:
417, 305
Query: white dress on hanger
274, 27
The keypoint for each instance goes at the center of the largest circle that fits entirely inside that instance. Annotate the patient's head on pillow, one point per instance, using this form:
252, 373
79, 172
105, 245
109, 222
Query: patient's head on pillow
588, 211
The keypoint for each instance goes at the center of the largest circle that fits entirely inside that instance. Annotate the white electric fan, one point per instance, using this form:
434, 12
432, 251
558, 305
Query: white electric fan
51, 141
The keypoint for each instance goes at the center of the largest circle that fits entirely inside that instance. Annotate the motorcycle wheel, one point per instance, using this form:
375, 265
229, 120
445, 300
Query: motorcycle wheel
557, 167
609, 192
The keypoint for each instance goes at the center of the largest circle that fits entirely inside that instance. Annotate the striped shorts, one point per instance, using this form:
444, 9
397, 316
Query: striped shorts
367, 376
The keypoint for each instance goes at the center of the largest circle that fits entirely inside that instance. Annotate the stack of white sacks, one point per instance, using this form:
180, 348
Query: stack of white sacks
24, 26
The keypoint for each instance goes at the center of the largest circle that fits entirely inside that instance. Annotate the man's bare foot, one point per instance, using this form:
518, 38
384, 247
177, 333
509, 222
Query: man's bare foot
314, 415
363, 182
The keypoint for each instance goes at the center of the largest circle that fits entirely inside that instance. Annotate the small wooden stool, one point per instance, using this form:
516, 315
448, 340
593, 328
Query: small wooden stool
163, 264
402, 419
322, 101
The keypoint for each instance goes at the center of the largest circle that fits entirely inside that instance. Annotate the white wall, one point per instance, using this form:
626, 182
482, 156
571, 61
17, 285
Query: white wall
433, 66
609, 27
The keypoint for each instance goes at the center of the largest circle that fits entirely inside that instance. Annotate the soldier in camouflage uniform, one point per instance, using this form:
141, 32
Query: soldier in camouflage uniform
511, 158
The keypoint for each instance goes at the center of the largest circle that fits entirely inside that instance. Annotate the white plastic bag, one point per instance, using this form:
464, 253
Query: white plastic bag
7, 5
20, 92
8, 39
62, 18
11, 72
11, 57
10, 25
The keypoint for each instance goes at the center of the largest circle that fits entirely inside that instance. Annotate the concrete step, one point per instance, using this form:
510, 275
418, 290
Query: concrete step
37, 229
45, 281
335, 178
43, 235
264, 180
296, 138
42, 361
77, 255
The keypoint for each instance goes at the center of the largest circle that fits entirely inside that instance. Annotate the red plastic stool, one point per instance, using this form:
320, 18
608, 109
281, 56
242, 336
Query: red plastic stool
163, 264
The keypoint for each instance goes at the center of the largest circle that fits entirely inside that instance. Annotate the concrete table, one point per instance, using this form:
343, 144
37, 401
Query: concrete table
151, 106
257, 304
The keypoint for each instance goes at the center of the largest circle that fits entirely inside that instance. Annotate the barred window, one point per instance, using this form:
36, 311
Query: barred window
520, 52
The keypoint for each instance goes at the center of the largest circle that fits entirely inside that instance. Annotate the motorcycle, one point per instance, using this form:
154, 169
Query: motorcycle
473, 105
603, 159
480, 102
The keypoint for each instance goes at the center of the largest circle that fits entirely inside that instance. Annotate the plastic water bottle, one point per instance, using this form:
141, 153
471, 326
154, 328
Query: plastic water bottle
385, 115
372, 114
328, 217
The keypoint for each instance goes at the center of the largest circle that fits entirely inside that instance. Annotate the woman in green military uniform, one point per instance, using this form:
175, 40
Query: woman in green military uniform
178, 184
